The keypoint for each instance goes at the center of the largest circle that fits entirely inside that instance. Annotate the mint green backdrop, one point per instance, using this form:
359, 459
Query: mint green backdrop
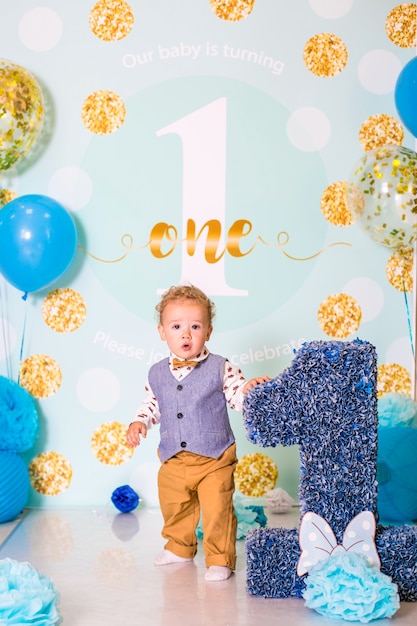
205, 137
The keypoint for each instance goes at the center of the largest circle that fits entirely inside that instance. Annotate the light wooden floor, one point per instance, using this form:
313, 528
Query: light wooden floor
101, 562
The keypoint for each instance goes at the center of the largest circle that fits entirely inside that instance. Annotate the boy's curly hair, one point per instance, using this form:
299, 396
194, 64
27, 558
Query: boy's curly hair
176, 293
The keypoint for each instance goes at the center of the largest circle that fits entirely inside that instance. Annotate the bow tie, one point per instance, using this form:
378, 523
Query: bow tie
181, 363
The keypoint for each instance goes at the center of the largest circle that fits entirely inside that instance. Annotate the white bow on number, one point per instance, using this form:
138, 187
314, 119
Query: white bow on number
318, 541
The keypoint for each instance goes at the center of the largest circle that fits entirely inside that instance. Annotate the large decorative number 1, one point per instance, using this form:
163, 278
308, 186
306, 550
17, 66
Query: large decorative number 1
326, 403
203, 135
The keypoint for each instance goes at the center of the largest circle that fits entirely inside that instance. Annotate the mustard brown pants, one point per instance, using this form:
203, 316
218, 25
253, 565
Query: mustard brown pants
190, 484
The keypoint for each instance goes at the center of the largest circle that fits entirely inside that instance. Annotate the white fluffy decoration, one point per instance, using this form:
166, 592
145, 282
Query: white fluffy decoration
278, 500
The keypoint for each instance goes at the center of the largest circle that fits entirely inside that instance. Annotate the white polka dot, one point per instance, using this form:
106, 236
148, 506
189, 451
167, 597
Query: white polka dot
312, 536
40, 29
366, 525
98, 389
378, 71
365, 547
331, 9
351, 534
308, 129
400, 351
7, 339
368, 294
72, 187
144, 480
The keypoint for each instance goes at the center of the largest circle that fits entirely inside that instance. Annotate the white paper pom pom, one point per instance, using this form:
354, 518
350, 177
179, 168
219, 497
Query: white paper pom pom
278, 500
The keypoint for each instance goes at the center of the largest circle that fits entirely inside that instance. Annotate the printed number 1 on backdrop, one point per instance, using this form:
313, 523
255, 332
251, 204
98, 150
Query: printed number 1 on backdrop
203, 135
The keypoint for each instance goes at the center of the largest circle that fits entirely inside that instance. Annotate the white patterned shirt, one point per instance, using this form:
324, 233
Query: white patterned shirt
233, 383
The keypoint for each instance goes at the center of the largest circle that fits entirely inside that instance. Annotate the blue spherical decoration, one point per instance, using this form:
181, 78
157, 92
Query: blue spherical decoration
396, 474
19, 423
14, 485
125, 499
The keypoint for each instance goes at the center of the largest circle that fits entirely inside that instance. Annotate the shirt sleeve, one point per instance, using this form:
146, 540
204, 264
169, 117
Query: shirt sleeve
148, 412
233, 383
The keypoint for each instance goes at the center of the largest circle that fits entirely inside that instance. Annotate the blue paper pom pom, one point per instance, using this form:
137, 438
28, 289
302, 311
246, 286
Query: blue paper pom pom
19, 423
396, 474
396, 409
26, 597
14, 486
346, 586
125, 499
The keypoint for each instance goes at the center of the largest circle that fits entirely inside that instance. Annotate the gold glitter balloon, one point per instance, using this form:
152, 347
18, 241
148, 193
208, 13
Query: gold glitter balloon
334, 206
41, 375
380, 130
325, 55
6, 196
401, 25
108, 443
339, 315
111, 20
232, 10
382, 196
21, 113
50, 473
393, 378
399, 270
255, 474
103, 112
64, 310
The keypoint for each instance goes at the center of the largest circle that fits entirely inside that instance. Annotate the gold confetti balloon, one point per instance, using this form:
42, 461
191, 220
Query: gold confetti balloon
50, 473
379, 131
232, 10
399, 270
40, 375
401, 25
255, 474
21, 113
334, 206
325, 55
108, 444
339, 315
393, 378
103, 112
382, 196
64, 310
111, 20
6, 196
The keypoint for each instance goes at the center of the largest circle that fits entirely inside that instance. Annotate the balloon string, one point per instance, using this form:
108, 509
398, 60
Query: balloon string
24, 298
5, 342
408, 319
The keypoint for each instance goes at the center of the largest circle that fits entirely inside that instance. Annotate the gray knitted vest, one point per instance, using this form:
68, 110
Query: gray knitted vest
193, 411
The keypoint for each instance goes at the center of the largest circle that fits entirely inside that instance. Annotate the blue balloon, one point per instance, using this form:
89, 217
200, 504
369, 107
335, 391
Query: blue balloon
406, 96
38, 242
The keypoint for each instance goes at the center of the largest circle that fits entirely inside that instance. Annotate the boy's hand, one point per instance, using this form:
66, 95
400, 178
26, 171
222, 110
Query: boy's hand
255, 381
135, 431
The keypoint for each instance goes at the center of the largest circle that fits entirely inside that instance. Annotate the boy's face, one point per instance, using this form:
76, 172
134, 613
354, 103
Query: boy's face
185, 328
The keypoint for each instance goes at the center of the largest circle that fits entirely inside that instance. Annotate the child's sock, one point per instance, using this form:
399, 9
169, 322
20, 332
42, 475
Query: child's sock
218, 572
166, 557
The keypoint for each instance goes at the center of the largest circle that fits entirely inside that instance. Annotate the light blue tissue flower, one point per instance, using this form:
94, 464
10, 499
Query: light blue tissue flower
26, 597
396, 409
346, 586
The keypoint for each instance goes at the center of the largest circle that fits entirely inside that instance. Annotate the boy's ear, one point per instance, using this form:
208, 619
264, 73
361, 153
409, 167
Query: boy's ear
161, 332
210, 330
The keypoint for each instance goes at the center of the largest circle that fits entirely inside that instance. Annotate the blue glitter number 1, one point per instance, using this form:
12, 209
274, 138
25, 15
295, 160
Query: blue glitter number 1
326, 403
